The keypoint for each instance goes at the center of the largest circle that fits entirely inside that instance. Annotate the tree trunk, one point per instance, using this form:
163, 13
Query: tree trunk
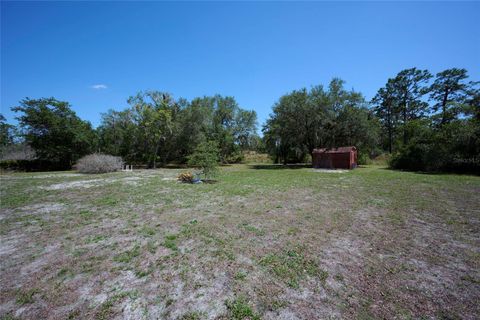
444, 107
405, 124
155, 156
390, 129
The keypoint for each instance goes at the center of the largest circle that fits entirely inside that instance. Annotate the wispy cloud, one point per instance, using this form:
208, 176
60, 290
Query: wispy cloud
99, 86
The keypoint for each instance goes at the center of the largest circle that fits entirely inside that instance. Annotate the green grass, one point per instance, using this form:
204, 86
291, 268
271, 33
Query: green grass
239, 309
128, 256
291, 266
170, 242
195, 315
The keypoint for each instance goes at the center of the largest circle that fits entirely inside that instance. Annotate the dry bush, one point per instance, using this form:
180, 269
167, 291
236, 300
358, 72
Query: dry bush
17, 152
99, 163
186, 177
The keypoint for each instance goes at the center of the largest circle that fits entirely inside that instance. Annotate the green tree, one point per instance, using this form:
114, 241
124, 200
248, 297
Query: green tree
357, 126
117, 135
153, 112
449, 91
386, 109
6, 132
205, 157
195, 125
409, 87
303, 120
245, 128
54, 131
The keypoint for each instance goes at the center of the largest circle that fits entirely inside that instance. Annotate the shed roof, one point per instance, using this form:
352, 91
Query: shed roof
335, 150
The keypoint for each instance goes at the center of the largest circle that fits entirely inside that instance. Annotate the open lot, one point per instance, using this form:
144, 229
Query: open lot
264, 242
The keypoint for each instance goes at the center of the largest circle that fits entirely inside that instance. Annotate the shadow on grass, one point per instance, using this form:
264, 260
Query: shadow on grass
209, 181
433, 173
280, 166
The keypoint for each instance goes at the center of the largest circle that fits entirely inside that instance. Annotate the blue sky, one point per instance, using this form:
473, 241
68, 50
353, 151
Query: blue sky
96, 54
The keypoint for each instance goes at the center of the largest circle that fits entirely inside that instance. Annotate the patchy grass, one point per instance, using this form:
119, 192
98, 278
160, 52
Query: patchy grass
239, 309
171, 242
128, 256
291, 266
26, 296
299, 243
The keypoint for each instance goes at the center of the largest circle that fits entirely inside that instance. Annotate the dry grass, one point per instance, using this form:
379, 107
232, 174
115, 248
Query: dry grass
264, 242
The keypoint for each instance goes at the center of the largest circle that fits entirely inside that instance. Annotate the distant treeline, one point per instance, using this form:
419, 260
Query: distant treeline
155, 130
425, 122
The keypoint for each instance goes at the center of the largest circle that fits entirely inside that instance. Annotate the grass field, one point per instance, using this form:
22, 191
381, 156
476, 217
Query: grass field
261, 243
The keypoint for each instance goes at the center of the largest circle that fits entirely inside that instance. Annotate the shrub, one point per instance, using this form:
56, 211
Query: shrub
205, 157
382, 159
186, 177
363, 158
31, 165
235, 157
99, 163
17, 152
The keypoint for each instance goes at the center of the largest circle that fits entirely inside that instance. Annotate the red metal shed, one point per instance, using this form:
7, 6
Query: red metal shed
335, 158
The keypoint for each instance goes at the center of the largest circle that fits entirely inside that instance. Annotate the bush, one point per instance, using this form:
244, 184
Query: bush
205, 157
235, 157
99, 163
363, 158
31, 165
17, 152
382, 159
186, 177
453, 147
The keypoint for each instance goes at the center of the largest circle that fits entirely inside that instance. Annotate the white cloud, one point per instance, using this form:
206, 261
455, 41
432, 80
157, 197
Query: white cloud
99, 86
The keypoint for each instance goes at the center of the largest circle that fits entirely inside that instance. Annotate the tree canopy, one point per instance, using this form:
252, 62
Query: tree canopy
54, 131
303, 120
425, 122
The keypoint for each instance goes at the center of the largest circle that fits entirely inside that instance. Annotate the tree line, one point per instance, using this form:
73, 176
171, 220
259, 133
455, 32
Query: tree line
430, 123
303, 120
424, 122
154, 130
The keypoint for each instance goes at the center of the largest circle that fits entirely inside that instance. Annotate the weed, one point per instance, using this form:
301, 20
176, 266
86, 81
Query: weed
191, 316
239, 309
95, 239
105, 311
8, 316
64, 273
73, 315
128, 256
85, 214
240, 275
152, 247
26, 296
292, 266
277, 304
292, 231
169, 302
142, 273
339, 277
252, 229
170, 242
147, 231
470, 278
